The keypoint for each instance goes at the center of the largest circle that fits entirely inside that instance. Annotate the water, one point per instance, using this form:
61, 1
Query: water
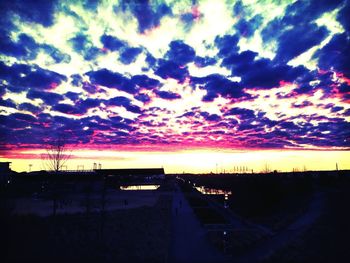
140, 187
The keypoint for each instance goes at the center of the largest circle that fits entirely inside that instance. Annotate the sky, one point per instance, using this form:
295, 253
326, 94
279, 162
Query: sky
191, 86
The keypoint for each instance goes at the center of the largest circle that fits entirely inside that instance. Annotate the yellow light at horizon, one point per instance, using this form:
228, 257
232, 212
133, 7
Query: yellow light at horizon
200, 161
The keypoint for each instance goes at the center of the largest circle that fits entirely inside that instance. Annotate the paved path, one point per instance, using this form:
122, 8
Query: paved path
189, 243
282, 238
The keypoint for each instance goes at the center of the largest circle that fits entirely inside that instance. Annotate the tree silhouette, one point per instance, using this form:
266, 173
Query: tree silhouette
57, 154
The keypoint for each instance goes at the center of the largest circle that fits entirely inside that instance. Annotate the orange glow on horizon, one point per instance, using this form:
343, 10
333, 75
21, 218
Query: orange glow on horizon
197, 161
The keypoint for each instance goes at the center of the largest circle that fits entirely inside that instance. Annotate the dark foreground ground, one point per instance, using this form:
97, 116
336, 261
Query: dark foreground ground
128, 235
272, 218
327, 240
304, 218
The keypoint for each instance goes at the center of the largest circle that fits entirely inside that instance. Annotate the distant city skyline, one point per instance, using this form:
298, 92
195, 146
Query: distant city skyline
189, 85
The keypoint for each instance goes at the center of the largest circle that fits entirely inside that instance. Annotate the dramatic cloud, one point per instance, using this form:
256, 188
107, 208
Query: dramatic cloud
154, 74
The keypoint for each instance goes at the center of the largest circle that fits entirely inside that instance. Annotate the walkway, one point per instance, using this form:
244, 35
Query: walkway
279, 240
189, 243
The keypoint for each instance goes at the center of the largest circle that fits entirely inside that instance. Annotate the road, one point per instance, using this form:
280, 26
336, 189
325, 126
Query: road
189, 243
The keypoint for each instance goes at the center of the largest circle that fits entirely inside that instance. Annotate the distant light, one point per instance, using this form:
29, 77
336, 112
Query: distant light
139, 187
225, 233
8, 181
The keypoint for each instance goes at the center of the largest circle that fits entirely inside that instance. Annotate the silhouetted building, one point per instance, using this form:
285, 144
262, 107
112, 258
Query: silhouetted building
141, 173
5, 172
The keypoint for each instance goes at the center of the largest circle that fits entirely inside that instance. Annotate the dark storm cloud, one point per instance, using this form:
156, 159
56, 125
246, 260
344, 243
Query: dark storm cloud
133, 108
17, 131
9, 122
73, 129
88, 87
49, 98
296, 41
187, 114
204, 61
240, 61
23, 117
296, 31
189, 18
336, 54
97, 126
246, 28
261, 73
37, 11
217, 85
119, 101
167, 95
210, 117
337, 109
142, 97
110, 79
24, 47
8, 103
129, 55
143, 81
68, 109
302, 105
124, 102
77, 80
344, 88
304, 86
264, 74
11, 73
180, 53
292, 33
79, 108
238, 9
343, 16
56, 54
147, 15
44, 118
40, 78
241, 112
65, 123
29, 107
112, 43
301, 11
339, 133
2, 90
82, 45
90, 103
298, 15
227, 45
30, 76
169, 69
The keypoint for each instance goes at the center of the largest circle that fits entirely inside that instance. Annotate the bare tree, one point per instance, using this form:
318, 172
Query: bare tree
266, 169
57, 154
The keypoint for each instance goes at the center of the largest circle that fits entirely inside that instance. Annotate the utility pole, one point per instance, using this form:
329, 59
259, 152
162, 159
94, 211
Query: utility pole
336, 166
